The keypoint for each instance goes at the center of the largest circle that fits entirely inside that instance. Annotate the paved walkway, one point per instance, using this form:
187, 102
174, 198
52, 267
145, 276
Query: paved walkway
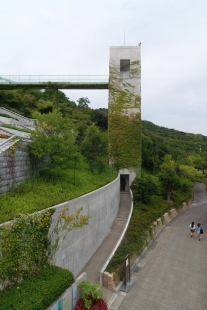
172, 274
103, 252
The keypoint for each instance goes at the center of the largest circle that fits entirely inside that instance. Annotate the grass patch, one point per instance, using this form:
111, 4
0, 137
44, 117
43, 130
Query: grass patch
39, 192
8, 116
16, 128
37, 292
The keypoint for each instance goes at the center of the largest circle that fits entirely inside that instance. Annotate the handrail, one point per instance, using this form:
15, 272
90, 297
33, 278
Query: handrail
7, 140
29, 79
12, 137
101, 271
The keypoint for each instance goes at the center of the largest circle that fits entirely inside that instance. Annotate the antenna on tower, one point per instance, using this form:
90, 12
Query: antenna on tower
124, 37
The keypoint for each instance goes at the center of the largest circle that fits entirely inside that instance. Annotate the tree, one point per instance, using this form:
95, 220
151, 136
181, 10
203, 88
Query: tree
147, 151
44, 106
168, 162
53, 142
169, 180
191, 173
94, 148
143, 188
83, 102
100, 118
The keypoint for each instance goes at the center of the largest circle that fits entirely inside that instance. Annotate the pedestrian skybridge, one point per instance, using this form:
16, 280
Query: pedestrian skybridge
54, 81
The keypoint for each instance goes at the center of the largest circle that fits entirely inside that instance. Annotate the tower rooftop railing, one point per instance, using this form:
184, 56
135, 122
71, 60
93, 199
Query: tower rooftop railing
58, 81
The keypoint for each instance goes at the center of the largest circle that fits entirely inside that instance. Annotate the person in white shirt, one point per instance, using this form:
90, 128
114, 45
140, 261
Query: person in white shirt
192, 229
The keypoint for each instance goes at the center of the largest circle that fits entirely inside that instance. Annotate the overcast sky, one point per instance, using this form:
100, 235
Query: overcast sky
69, 37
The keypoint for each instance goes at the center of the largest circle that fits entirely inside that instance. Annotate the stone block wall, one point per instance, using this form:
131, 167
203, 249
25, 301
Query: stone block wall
14, 166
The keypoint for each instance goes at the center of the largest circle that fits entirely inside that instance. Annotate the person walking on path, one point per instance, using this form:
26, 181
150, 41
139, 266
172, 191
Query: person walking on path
192, 229
199, 230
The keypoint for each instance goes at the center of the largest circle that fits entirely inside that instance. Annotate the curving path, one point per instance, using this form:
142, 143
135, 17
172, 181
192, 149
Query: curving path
103, 252
173, 272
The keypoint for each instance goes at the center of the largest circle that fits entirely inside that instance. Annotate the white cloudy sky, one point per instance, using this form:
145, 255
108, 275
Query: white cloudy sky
73, 37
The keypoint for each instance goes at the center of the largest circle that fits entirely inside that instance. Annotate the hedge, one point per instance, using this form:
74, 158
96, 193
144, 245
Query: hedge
37, 292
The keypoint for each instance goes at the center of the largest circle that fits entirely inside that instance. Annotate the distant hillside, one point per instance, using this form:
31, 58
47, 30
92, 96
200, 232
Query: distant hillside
166, 132
158, 141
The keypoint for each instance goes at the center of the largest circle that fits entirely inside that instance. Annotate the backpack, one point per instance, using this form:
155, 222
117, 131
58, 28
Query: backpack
201, 231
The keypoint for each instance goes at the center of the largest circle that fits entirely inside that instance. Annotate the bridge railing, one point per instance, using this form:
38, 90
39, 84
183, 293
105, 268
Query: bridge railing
76, 79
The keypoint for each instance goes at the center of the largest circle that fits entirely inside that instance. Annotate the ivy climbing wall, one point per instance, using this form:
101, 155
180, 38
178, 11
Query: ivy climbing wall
125, 108
14, 165
24, 247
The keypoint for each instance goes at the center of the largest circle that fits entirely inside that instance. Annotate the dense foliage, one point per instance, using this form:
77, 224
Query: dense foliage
28, 101
24, 247
94, 148
74, 139
69, 149
37, 292
41, 192
143, 188
185, 148
54, 138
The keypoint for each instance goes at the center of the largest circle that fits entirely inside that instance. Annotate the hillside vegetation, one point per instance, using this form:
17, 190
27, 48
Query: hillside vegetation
70, 136
70, 144
183, 147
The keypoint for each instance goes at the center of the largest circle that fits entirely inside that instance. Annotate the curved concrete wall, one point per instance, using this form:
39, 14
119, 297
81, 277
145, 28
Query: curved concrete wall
77, 246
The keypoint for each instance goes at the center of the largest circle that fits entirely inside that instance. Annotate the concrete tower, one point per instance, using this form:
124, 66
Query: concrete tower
125, 111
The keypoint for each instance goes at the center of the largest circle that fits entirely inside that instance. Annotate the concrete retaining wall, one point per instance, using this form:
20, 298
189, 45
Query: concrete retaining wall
14, 167
77, 246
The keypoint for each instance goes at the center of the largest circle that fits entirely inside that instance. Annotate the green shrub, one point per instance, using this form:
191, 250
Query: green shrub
24, 247
39, 192
90, 293
38, 292
143, 188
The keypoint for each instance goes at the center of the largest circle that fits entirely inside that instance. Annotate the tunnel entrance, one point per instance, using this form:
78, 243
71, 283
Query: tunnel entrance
124, 182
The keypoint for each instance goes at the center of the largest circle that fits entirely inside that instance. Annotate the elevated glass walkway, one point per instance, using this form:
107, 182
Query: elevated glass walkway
54, 81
